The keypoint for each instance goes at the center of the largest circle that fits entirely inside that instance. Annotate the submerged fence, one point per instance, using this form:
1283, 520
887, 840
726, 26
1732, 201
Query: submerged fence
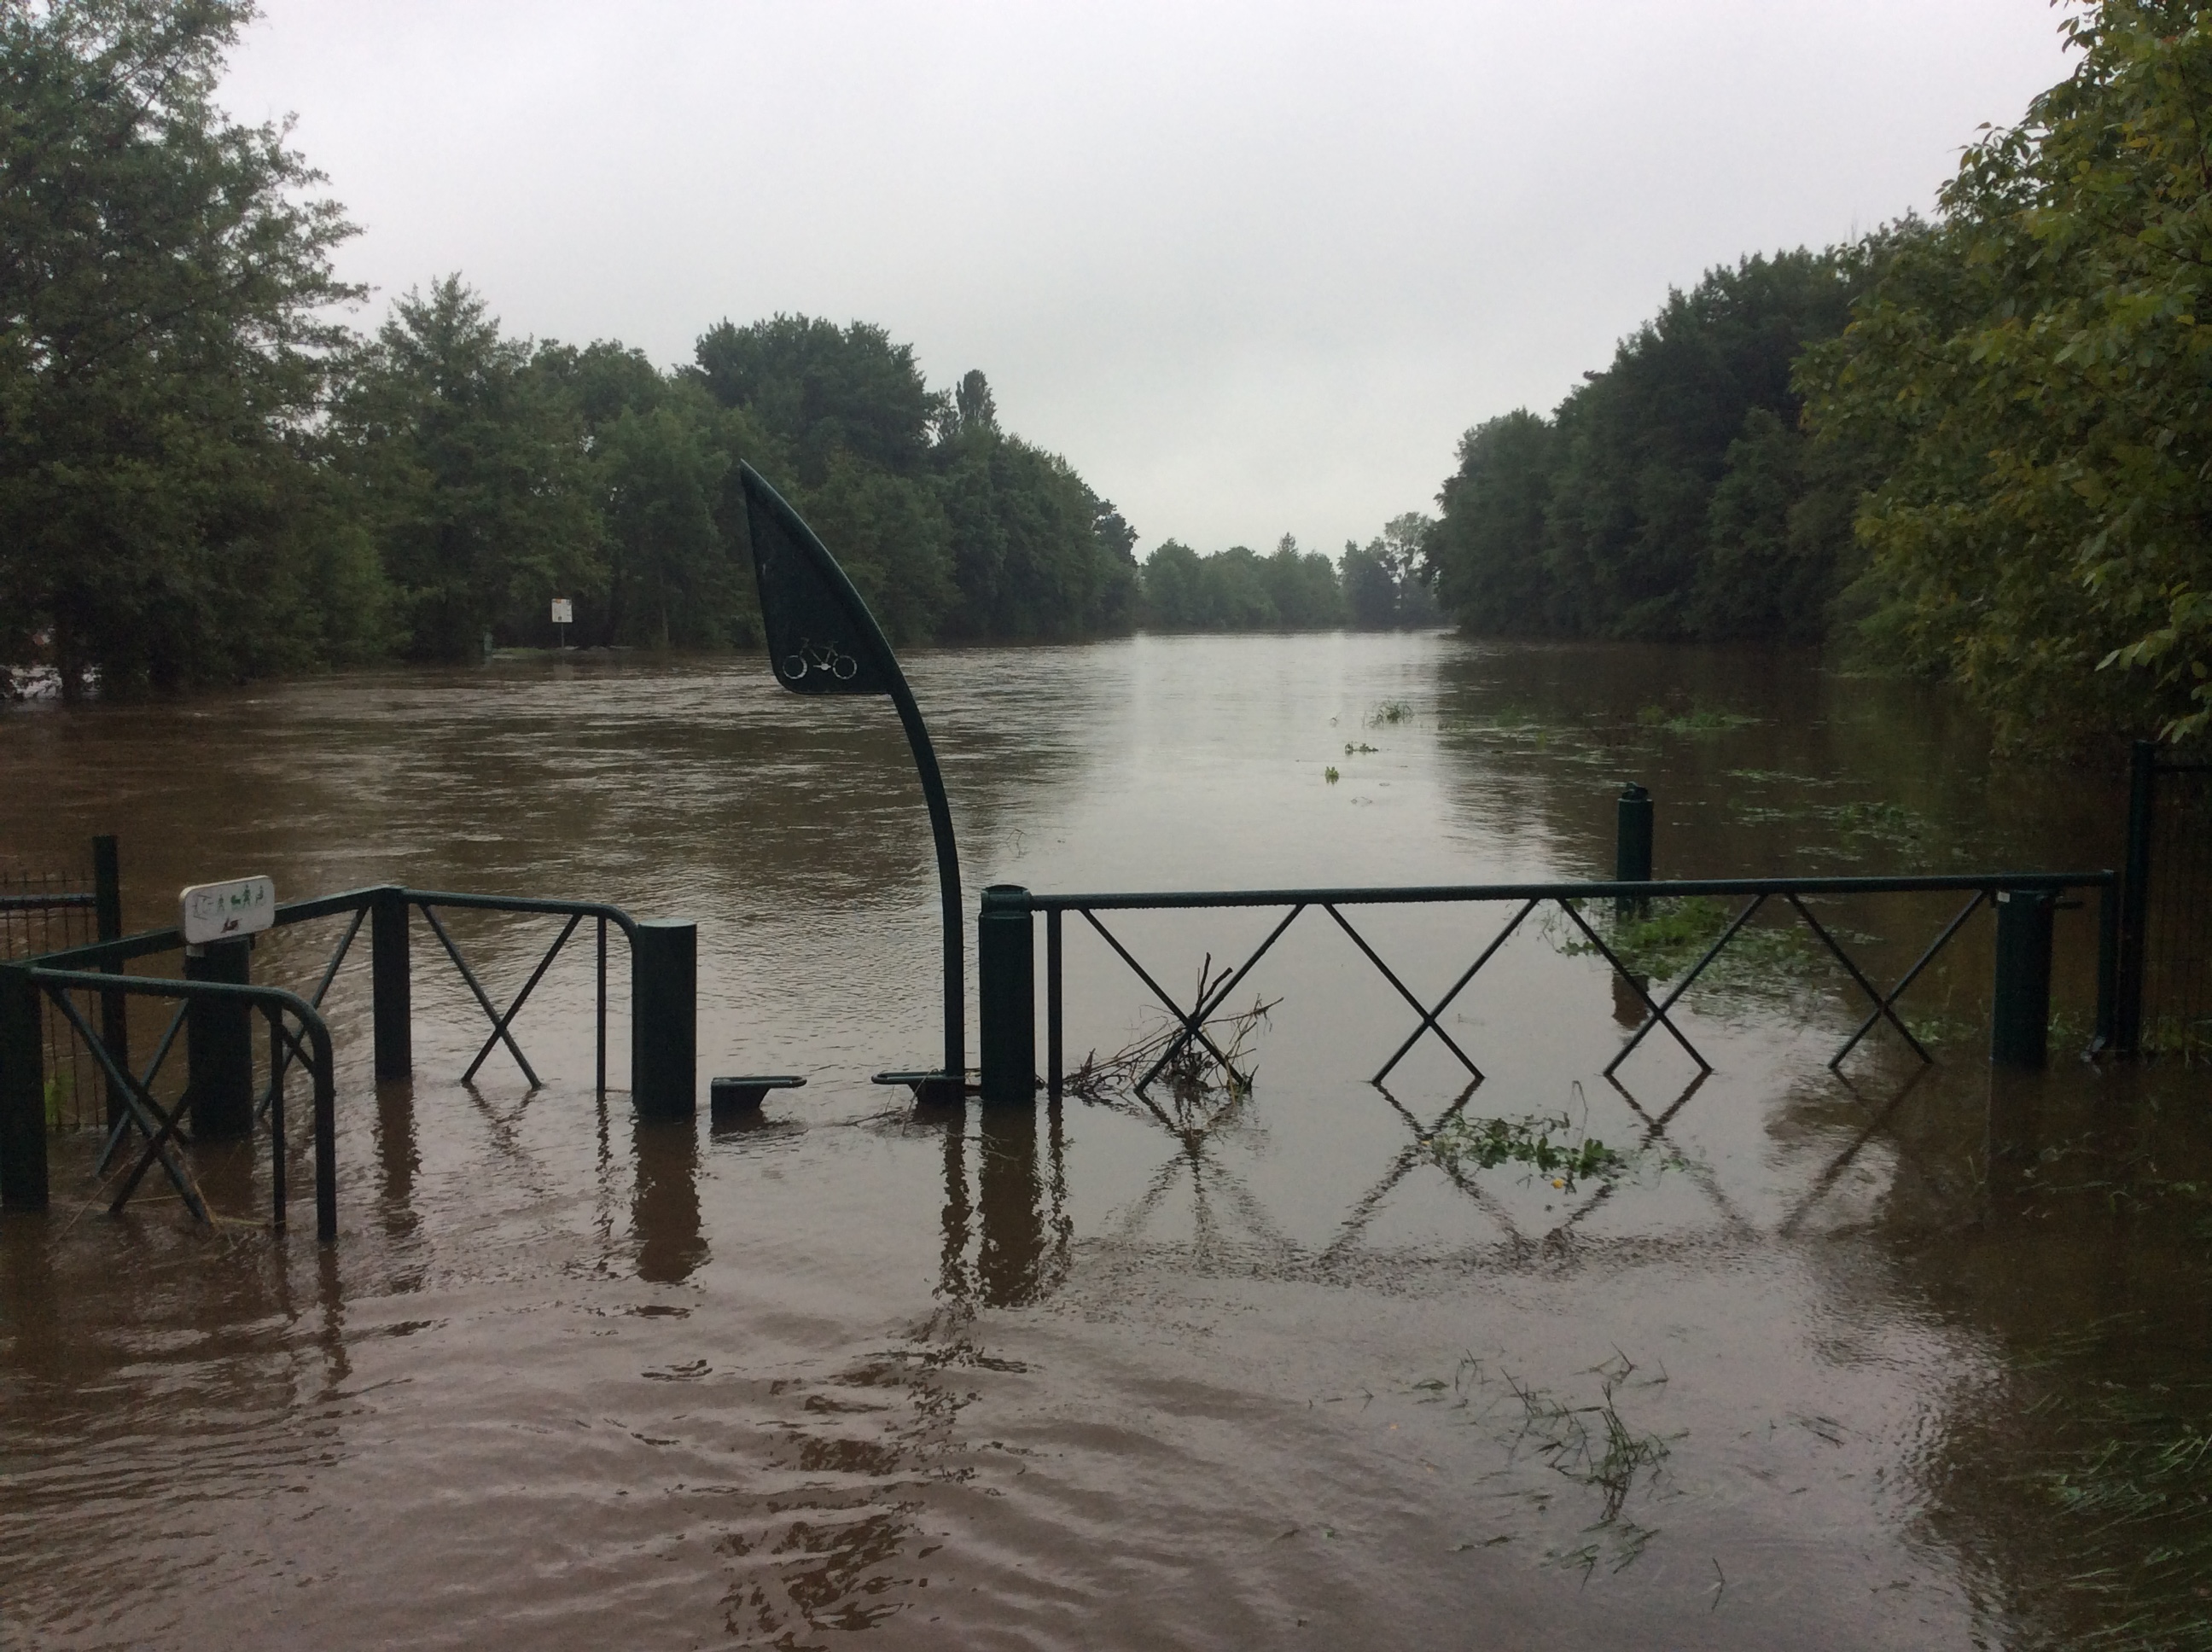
2023, 902
216, 1002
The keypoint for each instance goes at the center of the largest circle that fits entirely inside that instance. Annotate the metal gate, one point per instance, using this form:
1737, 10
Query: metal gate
46, 912
2164, 987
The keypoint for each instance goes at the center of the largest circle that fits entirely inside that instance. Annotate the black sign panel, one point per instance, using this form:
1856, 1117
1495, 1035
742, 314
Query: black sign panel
821, 637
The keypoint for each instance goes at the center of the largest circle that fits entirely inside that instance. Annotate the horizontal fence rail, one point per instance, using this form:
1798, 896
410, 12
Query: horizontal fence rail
2022, 993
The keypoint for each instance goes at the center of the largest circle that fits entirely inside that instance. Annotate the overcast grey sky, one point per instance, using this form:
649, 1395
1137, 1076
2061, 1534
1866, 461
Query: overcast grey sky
1252, 268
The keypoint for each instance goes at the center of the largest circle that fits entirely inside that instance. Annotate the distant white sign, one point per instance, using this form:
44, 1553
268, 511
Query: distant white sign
223, 912
564, 611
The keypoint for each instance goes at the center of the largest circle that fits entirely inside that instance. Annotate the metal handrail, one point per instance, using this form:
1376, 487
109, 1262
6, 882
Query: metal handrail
150, 943
275, 1003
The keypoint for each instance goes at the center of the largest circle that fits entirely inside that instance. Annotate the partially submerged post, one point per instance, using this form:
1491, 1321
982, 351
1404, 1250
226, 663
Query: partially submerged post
2020, 1019
664, 1025
1005, 966
391, 988
218, 922
1631, 848
821, 640
22, 1094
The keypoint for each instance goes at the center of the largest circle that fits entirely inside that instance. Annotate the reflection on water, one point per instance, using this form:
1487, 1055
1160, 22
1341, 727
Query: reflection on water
663, 1205
1007, 1236
1200, 1367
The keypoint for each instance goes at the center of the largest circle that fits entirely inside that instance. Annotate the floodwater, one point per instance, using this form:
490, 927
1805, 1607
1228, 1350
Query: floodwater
1798, 1367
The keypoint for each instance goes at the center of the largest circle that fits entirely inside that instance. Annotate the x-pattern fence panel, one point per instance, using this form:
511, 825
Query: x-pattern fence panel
62, 982
1569, 899
357, 905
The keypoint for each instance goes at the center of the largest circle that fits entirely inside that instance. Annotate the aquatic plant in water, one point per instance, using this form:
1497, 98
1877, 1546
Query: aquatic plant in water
1547, 1144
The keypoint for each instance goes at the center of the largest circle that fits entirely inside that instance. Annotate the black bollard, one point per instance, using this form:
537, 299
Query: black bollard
664, 1020
2020, 1029
1006, 964
390, 986
22, 1096
219, 1044
1631, 848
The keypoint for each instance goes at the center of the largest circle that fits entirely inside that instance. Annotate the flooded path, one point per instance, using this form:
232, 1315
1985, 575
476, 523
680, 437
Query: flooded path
1288, 1367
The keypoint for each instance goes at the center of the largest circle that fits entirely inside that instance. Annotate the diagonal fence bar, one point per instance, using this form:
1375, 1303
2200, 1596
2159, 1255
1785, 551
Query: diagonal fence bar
1635, 981
500, 1026
1884, 1005
1210, 1002
500, 1033
1686, 982
1429, 1022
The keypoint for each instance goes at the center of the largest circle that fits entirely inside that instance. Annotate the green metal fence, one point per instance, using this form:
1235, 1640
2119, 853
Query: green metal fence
2023, 902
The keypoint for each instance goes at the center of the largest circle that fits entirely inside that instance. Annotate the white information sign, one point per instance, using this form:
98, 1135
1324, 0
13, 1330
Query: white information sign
223, 912
564, 611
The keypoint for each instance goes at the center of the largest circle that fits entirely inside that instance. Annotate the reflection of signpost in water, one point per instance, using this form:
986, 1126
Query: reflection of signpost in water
821, 640
564, 615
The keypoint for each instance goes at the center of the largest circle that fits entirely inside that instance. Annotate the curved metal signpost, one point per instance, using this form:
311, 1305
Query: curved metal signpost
821, 640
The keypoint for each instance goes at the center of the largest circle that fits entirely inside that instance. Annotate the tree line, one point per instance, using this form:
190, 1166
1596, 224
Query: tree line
1979, 446
204, 477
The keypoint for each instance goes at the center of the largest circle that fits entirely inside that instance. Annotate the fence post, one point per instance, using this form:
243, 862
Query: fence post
2020, 1027
219, 1043
114, 1007
664, 1020
2135, 899
1632, 848
391, 1009
22, 1094
1005, 966
1056, 1058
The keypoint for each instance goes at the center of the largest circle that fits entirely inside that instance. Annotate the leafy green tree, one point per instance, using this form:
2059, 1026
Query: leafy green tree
1601, 521
824, 391
1302, 587
474, 474
1486, 554
671, 579
164, 354
2029, 381
890, 534
1174, 597
1370, 589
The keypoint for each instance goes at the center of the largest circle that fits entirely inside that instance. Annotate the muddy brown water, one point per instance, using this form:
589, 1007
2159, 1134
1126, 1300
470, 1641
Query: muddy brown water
1266, 1369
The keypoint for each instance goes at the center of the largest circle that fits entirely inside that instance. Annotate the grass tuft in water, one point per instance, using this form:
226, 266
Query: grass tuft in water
1662, 945
1590, 1444
1390, 711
